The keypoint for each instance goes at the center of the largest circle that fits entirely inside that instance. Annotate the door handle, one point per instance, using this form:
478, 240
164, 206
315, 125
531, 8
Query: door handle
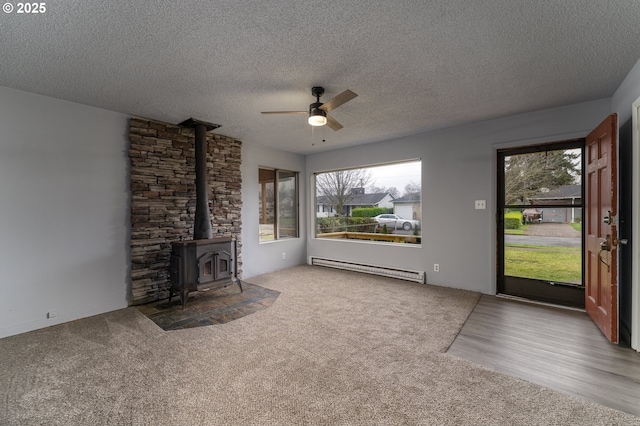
605, 245
603, 261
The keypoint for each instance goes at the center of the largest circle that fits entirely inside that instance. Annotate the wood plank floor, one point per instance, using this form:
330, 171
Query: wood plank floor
553, 347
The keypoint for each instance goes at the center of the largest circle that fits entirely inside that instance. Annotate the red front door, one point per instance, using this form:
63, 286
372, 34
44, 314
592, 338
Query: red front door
601, 285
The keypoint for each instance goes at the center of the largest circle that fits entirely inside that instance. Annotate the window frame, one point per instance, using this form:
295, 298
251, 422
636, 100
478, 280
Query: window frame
416, 242
276, 215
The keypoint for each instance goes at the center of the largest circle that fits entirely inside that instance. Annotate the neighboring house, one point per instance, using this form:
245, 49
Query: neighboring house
408, 206
358, 200
323, 208
566, 194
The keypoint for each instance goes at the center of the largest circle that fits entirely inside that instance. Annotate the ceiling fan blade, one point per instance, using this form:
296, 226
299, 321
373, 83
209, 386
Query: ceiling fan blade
331, 122
338, 100
285, 112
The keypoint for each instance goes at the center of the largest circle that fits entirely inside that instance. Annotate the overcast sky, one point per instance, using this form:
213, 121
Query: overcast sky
398, 175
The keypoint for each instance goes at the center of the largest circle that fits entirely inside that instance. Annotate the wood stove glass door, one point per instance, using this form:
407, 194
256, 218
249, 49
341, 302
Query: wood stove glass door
223, 265
206, 268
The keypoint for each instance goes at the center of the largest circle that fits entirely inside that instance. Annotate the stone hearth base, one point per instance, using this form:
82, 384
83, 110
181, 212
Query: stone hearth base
212, 307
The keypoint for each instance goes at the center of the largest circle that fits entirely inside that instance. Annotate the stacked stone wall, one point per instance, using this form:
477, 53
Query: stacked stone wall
163, 198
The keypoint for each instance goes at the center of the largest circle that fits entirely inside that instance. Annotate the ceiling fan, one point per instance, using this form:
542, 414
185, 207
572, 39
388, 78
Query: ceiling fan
318, 111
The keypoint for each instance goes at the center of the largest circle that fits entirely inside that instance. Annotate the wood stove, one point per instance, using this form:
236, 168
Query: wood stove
204, 262
200, 265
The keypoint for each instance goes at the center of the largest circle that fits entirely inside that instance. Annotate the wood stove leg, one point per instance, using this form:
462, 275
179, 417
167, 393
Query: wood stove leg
240, 285
185, 294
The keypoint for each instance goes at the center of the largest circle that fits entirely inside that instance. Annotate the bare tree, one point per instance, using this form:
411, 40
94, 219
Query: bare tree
412, 188
526, 175
337, 187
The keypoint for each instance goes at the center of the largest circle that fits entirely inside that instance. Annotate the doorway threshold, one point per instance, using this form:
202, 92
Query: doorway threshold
537, 302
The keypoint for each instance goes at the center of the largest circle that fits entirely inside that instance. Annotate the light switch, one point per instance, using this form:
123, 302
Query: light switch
481, 204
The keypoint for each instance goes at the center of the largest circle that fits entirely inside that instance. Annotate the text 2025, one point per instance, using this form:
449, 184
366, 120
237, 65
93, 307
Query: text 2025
31, 8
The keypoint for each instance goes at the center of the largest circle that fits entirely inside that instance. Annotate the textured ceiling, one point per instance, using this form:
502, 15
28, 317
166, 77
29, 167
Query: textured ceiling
416, 65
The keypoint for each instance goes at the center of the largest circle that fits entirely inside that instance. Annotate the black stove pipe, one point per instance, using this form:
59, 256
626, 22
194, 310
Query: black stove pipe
202, 222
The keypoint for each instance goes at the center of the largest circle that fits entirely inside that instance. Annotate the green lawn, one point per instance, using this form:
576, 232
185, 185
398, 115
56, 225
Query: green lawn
562, 264
266, 232
519, 231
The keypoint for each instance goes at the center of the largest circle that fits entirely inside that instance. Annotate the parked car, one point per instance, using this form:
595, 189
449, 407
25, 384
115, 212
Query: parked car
396, 222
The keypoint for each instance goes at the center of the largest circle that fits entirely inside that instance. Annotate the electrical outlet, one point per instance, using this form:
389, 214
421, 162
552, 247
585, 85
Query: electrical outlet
436, 267
52, 314
481, 204
284, 256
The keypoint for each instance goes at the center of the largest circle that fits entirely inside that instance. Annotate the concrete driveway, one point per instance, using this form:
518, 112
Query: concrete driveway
548, 234
552, 230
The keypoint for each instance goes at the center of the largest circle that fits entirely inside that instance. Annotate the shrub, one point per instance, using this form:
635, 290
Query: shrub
512, 220
370, 211
340, 224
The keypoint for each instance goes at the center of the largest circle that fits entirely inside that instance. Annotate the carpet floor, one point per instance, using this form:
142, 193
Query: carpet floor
335, 348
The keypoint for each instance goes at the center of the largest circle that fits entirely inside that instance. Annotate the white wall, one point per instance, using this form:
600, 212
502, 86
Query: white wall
458, 167
387, 202
64, 211
626, 94
259, 258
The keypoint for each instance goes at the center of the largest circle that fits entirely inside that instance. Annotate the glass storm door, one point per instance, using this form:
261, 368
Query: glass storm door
540, 212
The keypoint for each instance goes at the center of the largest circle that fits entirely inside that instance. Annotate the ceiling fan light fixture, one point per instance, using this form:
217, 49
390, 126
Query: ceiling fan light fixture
318, 111
317, 117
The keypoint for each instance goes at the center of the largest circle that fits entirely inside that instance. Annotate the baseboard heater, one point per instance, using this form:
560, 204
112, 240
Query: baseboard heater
403, 274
